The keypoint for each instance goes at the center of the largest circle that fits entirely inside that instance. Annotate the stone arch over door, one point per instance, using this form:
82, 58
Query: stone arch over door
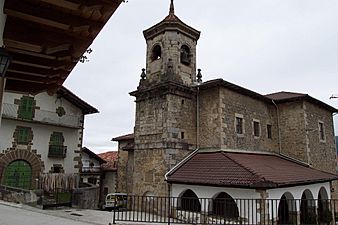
21, 154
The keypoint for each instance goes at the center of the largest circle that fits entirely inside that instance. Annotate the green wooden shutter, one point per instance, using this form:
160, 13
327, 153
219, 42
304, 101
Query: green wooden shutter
22, 135
26, 108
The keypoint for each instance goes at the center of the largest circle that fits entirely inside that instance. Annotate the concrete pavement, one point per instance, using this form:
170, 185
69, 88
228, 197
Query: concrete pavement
17, 214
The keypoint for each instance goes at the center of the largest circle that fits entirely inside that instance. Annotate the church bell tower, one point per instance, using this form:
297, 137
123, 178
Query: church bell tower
171, 51
165, 120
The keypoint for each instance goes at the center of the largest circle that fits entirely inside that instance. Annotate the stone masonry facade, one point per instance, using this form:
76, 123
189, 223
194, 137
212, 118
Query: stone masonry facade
177, 113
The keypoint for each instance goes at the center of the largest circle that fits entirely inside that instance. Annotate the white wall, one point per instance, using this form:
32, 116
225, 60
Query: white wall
273, 195
42, 132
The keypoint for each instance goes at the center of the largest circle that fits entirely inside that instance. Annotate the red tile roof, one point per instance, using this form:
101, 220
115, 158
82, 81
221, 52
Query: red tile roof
231, 169
111, 158
281, 97
285, 95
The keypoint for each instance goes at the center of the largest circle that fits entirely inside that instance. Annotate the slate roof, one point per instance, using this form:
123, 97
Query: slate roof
250, 170
111, 158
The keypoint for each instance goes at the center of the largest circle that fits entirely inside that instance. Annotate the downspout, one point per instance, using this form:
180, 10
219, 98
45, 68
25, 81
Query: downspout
198, 118
278, 127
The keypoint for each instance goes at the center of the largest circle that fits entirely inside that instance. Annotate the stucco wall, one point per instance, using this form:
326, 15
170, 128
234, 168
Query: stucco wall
42, 132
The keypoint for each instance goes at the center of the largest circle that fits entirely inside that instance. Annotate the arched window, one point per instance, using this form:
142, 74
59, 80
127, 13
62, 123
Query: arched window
224, 205
185, 55
156, 52
189, 201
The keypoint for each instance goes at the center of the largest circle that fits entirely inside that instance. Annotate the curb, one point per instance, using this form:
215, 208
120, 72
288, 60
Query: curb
12, 204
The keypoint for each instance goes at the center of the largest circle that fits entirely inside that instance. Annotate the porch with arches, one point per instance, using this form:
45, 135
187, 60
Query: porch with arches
306, 204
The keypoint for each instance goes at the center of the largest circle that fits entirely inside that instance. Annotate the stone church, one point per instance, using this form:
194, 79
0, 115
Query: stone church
177, 114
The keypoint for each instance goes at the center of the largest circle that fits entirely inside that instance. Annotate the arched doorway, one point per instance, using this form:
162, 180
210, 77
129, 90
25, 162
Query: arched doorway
287, 212
324, 213
223, 205
18, 174
307, 208
189, 201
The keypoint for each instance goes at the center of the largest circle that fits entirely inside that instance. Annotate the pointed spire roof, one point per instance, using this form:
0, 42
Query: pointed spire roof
170, 23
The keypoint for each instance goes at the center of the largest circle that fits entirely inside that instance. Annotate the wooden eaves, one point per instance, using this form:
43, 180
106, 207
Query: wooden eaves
46, 39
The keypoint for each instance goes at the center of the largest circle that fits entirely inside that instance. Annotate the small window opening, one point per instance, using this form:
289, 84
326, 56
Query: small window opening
239, 125
269, 130
182, 135
321, 131
182, 101
185, 55
156, 53
256, 128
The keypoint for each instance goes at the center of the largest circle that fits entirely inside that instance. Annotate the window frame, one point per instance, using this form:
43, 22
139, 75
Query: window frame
269, 131
321, 131
239, 117
256, 128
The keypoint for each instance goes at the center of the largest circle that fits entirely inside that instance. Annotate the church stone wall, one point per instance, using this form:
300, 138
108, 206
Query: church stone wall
220, 106
292, 130
320, 150
122, 163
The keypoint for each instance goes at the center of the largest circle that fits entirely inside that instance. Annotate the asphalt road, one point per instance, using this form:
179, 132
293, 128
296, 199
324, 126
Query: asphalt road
10, 215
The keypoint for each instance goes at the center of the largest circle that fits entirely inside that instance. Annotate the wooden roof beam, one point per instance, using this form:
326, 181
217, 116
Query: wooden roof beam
48, 16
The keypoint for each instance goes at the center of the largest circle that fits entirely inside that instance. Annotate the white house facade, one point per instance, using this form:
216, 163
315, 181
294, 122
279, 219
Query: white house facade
41, 134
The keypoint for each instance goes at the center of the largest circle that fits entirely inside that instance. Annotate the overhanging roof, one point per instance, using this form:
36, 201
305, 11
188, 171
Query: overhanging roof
46, 39
248, 170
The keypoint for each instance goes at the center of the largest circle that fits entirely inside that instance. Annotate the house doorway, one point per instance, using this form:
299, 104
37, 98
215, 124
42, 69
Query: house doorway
18, 174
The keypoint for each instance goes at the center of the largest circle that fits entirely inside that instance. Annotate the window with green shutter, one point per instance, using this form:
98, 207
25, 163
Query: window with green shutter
22, 135
56, 147
26, 108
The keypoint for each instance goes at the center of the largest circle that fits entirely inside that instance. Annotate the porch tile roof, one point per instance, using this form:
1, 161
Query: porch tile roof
234, 169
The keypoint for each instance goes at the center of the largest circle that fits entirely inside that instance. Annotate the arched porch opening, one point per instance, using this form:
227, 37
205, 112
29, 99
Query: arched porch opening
287, 211
308, 208
223, 205
323, 210
188, 201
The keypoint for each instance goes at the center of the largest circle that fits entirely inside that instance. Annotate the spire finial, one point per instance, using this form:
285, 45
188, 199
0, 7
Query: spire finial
171, 10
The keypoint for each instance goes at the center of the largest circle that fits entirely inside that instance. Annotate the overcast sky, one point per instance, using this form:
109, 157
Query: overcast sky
263, 45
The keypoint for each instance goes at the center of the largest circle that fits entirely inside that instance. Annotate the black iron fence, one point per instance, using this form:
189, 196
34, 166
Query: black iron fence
170, 210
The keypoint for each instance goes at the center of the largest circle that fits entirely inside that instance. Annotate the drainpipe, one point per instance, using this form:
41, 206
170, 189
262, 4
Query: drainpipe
198, 118
278, 127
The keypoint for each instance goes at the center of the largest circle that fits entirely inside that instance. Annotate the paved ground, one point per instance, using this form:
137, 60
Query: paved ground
16, 214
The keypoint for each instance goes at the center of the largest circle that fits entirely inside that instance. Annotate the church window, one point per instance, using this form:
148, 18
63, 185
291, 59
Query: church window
156, 53
239, 124
321, 131
256, 128
185, 55
182, 135
269, 131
